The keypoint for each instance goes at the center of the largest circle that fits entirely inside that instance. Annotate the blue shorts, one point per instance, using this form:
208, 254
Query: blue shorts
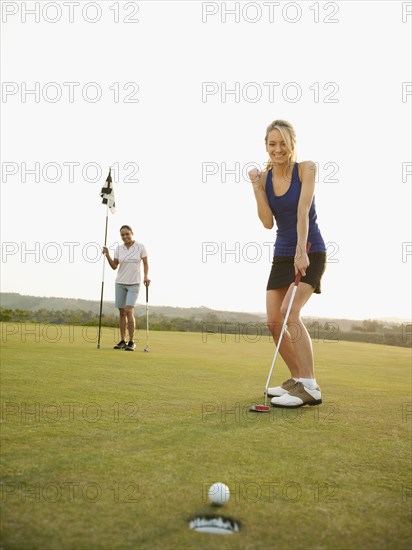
126, 295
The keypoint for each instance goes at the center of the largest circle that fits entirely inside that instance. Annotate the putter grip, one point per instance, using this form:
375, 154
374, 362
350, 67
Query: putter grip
147, 293
299, 275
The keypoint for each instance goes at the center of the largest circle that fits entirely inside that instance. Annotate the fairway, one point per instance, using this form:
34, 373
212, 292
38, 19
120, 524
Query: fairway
113, 450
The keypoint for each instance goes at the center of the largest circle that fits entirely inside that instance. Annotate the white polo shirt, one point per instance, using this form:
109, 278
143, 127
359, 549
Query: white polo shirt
129, 263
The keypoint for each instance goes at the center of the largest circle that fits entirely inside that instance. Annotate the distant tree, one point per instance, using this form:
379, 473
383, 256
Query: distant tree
211, 318
21, 315
371, 326
6, 314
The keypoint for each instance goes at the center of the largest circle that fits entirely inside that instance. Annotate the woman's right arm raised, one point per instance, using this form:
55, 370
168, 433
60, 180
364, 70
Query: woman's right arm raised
113, 263
258, 180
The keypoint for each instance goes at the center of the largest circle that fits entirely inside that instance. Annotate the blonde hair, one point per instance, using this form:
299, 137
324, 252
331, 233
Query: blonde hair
288, 134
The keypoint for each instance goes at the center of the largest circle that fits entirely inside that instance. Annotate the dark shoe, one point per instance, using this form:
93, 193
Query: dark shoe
131, 346
120, 345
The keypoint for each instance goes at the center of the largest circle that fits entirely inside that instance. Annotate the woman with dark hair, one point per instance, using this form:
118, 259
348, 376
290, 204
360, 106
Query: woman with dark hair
285, 191
128, 257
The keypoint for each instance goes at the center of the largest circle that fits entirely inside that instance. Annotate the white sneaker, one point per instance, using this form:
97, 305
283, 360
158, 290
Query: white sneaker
298, 396
282, 389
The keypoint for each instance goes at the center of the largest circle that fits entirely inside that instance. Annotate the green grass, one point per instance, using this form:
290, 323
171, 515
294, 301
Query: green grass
122, 446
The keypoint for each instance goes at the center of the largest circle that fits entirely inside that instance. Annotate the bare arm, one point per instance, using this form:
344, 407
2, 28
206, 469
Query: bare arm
113, 263
265, 214
308, 174
146, 271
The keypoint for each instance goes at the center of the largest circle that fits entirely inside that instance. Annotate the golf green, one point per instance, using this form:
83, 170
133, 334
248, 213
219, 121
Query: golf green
115, 450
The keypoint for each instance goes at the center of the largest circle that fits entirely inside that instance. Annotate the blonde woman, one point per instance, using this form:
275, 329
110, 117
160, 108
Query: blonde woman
284, 192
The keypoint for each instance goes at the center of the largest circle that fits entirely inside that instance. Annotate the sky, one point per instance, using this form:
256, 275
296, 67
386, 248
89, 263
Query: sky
176, 97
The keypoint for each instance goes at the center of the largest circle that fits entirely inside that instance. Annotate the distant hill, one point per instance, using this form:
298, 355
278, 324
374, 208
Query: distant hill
19, 308
13, 300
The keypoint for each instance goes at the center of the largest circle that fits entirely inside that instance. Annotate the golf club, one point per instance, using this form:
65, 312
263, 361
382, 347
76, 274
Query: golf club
265, 407
147, 319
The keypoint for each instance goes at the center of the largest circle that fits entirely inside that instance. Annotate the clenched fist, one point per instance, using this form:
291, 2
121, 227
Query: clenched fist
254, 176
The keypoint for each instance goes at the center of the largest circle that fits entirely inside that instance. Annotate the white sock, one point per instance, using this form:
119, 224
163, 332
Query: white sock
295, 379
309, 383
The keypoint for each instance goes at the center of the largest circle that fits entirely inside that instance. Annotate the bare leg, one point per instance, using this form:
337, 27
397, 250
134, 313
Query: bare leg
122, 323
275, 318
301, 342
130, 322
306, 392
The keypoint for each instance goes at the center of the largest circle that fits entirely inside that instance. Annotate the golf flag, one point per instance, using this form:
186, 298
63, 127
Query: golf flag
107, 193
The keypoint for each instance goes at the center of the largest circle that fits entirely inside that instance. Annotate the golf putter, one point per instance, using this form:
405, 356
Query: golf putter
265, 407
147, 319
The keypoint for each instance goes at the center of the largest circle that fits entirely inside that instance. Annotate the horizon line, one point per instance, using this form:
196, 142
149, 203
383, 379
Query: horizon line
263, 313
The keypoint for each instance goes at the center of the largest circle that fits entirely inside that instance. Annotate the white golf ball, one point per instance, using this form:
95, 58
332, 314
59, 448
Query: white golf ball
219, 493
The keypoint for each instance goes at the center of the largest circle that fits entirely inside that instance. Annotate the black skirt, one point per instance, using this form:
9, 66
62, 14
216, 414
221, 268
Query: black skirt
283, 271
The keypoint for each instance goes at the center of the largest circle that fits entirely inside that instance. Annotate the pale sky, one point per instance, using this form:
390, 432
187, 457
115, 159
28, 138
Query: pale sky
209, 78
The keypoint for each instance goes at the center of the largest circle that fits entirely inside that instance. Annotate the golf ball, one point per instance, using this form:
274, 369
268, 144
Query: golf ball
219, 493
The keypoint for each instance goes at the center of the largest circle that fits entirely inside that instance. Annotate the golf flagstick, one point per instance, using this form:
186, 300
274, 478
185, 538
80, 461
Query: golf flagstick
102, 289
107, 194
147, 319
265, 407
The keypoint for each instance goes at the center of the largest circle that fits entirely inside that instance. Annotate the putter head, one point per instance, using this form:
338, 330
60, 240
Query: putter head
146, 350
260, 408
